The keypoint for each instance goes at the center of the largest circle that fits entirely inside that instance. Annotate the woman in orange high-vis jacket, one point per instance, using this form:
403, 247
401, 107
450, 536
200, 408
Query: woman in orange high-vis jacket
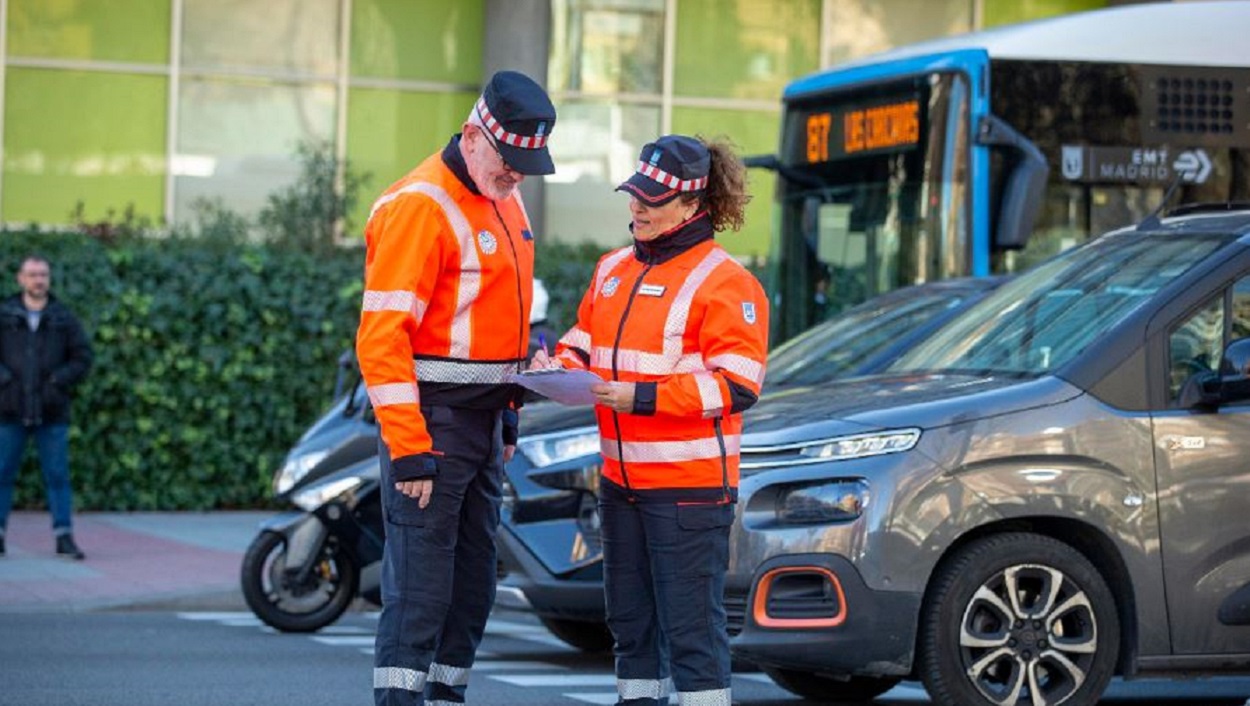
679, 331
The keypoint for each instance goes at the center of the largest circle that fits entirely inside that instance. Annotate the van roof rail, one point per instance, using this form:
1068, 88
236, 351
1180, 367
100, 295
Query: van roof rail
1186, 209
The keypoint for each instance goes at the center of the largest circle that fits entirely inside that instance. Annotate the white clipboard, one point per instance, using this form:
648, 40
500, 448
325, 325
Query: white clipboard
569, 387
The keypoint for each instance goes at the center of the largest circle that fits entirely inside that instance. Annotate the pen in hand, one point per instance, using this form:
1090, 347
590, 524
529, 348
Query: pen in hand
542, 343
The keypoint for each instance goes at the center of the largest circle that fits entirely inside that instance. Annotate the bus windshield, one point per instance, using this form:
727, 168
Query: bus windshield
874, 195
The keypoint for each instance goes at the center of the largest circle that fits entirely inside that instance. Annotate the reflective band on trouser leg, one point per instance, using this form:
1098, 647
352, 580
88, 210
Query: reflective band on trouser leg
710, 697
644, 688
398, 678
449, 675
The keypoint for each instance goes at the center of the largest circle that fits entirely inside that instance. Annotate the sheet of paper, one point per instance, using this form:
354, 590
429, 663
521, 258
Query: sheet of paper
571, 387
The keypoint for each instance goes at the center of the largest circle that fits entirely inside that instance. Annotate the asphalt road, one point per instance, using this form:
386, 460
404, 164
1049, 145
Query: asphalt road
230, 659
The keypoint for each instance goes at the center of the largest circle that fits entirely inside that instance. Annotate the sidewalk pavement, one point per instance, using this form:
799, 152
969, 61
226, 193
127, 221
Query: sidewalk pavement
143, 560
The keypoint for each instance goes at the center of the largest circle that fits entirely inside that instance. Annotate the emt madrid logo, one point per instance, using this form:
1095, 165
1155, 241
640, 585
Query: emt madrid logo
486, 240
748, 312
609, 287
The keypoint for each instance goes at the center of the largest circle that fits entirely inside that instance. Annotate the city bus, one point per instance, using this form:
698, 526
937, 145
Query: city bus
982, 153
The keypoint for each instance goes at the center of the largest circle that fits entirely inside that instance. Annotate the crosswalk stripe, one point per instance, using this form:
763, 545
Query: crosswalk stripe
345, 630
501, 665
761, 678
508, 626
561, 680
345, 640
603, 699
235, 615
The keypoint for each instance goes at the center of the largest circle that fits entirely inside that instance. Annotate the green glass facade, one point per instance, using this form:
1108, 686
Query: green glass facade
156, 104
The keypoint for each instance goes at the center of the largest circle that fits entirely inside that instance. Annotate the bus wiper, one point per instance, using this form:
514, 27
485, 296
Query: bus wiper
772, 164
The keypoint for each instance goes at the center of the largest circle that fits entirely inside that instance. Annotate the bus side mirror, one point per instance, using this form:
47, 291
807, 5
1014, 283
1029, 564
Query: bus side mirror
1025, 184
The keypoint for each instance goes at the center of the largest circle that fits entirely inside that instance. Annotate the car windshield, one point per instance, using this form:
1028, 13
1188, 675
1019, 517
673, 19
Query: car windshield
1048, 315
836, 347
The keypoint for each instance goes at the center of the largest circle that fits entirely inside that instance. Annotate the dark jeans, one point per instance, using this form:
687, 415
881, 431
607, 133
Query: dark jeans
52, 443
438, 568
664, 570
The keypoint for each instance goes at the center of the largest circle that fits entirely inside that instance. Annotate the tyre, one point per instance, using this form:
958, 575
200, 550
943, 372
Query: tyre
814, 687
1018, 619
585, 636
296, 607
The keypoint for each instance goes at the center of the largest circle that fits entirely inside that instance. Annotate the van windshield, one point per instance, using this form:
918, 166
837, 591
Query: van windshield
1047, 316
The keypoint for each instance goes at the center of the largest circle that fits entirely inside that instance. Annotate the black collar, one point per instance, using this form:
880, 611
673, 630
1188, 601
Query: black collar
455, 162
676, 241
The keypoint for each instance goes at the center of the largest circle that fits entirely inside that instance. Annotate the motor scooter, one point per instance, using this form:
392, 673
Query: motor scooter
305, 566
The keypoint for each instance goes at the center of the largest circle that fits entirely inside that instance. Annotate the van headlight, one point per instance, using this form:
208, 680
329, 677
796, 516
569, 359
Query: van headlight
822, 503
295, 468
546, 449
860, 445
318, 494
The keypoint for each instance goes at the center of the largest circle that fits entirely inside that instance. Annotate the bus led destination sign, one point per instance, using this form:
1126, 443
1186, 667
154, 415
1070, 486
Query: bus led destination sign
849, 131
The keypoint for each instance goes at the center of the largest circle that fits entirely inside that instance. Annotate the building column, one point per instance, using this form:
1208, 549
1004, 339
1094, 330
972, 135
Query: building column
518, 38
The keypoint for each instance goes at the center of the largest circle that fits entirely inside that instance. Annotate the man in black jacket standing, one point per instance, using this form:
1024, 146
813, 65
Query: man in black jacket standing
43, 354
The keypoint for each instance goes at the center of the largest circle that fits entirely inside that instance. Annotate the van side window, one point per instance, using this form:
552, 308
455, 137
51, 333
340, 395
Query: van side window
1195, 346
1240, 319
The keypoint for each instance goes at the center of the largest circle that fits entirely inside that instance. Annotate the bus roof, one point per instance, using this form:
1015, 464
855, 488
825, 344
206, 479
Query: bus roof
1165, 33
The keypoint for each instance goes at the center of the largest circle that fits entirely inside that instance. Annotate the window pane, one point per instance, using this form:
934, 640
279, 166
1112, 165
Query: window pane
744, 48
1001, 12
118, 30
607, 46
596, 147
1240, 318
862, 27
754, 132
237, 139
54, 159
1196, 346
286, 35
423, 40
390, 132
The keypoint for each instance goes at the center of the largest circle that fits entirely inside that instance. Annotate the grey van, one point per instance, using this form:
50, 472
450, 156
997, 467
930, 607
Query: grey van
1052, 489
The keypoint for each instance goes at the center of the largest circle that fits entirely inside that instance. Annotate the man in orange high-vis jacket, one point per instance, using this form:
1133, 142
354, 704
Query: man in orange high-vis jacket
445, 323
679, 332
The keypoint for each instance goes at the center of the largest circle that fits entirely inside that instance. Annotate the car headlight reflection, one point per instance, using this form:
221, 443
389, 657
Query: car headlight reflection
557, 447
295, 468
316, 495
822, 503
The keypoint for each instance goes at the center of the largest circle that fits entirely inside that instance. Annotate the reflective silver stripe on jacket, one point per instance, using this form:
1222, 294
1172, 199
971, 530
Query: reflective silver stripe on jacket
394, 300
605, 267
393, 393
669, 451
464, 372
449, 675
643, 688
577, 338
709, 393
398, 678
644, 363
710, 697
470, 269
679, 312
739, 365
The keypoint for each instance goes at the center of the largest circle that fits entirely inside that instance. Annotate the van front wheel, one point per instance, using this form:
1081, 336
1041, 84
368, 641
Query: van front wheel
1018, 618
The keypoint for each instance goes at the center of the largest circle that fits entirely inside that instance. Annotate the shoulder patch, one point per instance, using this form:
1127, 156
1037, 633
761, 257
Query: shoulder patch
748, 312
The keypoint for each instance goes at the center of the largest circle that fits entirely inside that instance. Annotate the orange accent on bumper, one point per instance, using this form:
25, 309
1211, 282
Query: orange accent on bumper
759, 607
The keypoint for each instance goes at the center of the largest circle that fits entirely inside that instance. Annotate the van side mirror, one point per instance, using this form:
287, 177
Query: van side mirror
1231, 384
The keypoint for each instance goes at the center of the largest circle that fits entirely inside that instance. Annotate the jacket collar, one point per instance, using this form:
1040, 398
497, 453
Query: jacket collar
455, 162
681, 238
14, 305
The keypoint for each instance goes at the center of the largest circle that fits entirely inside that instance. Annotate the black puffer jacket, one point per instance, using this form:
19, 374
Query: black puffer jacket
38, 369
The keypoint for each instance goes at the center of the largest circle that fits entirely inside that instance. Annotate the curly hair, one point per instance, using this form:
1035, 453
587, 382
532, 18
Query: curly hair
726, 195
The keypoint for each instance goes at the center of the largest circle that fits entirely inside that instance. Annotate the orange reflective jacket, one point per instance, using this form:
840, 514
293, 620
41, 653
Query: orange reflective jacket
448, 283
690, 327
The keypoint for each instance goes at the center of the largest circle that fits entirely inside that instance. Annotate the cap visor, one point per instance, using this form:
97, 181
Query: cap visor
529, 162
647, 190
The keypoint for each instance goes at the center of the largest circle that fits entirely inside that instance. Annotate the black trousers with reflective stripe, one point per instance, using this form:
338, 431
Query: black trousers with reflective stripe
664, 568
438, 570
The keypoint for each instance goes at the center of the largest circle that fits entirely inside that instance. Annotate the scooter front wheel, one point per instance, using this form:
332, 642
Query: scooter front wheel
291, 605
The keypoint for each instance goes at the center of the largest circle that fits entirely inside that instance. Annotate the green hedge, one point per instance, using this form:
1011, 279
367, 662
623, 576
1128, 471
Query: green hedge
210, 360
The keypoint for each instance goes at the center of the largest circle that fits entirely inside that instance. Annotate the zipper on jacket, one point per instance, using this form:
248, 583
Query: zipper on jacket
616, 347
520, 301
724, 458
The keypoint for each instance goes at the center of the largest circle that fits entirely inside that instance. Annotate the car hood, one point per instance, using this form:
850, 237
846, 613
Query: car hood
867, 404
545, 417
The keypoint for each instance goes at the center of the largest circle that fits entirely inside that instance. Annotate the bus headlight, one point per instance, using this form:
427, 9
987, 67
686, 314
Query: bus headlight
822, 503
